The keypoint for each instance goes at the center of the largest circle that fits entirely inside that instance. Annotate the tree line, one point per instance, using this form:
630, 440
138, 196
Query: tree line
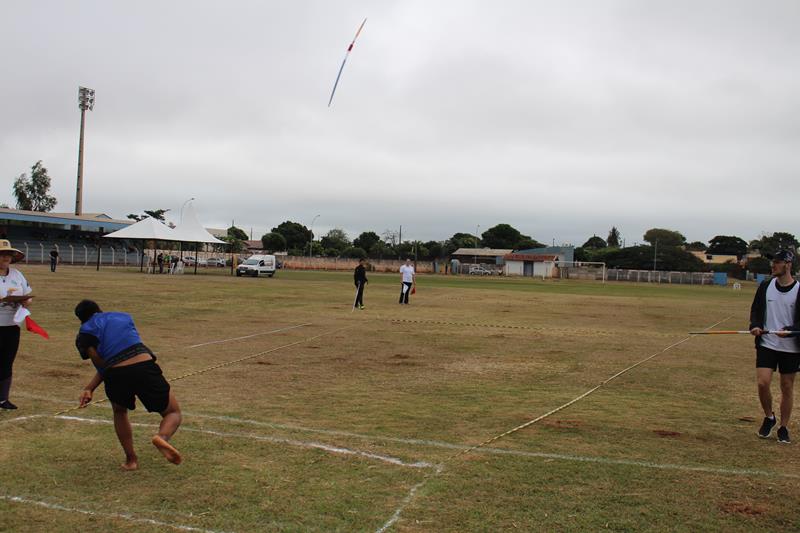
666, 249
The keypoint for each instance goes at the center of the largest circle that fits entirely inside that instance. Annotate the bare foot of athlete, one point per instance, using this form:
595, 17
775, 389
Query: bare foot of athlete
130, 464
167, 450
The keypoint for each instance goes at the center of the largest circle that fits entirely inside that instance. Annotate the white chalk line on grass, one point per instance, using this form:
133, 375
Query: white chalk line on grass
116, 516
460, 447
274, 440
248, 336
396, 515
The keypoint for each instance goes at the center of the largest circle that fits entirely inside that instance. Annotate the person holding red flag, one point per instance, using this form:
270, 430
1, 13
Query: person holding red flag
14, 293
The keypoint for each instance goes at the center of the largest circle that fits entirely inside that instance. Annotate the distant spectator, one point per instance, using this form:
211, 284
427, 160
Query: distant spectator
360, 279
53, 259
408, 279
160, 261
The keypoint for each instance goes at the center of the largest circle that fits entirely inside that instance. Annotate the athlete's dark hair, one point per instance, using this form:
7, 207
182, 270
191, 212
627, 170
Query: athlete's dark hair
86, 309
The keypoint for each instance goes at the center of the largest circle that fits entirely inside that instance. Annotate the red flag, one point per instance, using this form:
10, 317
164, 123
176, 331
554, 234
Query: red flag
33, 327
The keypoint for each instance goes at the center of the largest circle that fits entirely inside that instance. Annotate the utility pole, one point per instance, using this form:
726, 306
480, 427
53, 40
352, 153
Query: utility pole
655, 256
85, 101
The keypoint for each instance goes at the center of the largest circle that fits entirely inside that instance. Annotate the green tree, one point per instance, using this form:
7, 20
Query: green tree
157, 214
727, 245
696, 246
238, 233
641, 258
769, 244
613, 240
464, 240
335, 239
235, 239
354, 252
664, 237
435, 250
366, 240
527, 243
501, 236
594, 243
297, 235
274, 242
759, 265
32, 194
380, 250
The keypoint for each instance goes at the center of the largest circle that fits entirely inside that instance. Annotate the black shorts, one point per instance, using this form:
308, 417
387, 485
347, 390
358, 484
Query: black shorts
143, 380
785, 362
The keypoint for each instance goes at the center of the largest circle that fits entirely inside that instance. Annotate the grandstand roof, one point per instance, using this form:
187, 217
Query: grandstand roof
94, 220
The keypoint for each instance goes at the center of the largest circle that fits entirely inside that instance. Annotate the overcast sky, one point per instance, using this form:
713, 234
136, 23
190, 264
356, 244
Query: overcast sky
559, 118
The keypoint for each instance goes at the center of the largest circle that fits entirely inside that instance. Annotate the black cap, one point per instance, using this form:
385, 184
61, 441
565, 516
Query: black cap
782, 255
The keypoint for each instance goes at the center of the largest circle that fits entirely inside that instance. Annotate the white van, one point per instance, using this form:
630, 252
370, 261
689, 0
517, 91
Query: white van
257, 264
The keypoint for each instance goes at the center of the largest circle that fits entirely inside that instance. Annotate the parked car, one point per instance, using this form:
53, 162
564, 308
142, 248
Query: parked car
257, 264
189, 260
479, 270
215, 262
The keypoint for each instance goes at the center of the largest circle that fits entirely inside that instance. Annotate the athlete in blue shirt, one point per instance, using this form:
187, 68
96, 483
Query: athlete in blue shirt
129, 370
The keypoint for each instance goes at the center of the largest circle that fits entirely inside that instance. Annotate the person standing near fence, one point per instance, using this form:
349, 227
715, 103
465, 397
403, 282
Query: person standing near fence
360, 279
775, 308
53, 259
408, 280
13, 290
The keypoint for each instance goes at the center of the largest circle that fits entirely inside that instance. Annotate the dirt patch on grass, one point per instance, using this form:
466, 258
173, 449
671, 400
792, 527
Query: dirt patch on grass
666, 433
563, 424
401, 356
746, 419
742, 508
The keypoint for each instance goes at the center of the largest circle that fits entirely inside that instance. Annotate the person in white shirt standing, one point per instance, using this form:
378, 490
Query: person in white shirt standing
775, 310
409, 278
14, 292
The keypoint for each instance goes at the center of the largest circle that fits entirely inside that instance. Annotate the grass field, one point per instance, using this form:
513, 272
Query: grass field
354, 421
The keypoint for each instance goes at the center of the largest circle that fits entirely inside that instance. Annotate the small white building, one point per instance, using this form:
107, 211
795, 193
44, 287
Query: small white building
535, 265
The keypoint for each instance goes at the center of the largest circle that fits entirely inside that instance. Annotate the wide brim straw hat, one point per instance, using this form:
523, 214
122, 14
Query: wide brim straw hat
7, 249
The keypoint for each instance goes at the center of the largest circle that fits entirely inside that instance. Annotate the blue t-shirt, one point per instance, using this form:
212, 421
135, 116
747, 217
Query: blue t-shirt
115, 334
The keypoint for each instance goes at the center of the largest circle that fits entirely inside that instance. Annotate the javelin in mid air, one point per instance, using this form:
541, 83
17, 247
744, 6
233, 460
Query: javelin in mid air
345, 61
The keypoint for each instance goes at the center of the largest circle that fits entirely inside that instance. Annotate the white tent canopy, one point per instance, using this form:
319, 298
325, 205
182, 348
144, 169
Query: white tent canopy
147, 228
190, 229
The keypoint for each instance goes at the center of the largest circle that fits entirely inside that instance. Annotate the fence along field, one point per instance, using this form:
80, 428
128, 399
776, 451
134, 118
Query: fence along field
335, 433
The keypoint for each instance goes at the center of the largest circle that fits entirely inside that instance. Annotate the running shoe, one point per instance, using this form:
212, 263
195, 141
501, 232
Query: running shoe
783, 435
766, 427
7, 405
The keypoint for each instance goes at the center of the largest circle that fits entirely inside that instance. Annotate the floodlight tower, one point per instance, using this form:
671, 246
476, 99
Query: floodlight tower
85, 101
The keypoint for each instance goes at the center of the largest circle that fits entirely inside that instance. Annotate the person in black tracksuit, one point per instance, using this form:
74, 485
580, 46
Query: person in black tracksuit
360, 279
775, 323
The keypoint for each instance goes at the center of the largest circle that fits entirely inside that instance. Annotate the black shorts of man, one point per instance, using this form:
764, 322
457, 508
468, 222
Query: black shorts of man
360, 279
775, 309
129, 370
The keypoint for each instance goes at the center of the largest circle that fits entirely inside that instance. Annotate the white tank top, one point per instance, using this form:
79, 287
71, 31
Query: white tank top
780, 315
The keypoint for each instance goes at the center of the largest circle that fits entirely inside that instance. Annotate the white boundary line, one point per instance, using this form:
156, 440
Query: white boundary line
116, 516
275, 440
396, 515
450, 446
248, 336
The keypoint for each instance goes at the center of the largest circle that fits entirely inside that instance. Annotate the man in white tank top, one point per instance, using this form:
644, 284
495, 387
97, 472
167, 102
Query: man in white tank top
774, 322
